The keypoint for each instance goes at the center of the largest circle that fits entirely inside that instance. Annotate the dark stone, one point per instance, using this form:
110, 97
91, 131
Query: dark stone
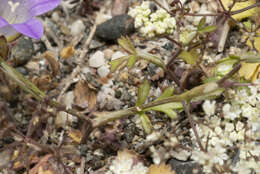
185, 167
116, 27
168, 46
22, 70
22, 52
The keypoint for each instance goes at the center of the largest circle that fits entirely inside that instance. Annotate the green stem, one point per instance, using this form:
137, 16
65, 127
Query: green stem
105, 117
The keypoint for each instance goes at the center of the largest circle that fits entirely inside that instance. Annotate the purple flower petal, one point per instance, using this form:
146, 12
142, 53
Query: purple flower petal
3, 22
32, 28
38, 7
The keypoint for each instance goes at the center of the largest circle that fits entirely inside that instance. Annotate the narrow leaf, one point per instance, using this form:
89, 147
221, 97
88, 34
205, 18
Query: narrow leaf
146, 123
208, 29
201, 23
117, 62
143, 92
151, 58
131, 61
167, 108
167, 93
126, 43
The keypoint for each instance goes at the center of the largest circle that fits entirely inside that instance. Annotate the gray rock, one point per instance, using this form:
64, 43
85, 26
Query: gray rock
185, 167
23, 51
114, 28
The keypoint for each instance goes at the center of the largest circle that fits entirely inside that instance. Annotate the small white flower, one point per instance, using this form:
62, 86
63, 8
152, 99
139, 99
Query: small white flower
209, 107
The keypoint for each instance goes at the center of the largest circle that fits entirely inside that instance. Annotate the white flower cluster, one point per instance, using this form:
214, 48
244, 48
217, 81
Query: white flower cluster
125, 164
151, 24
238, 131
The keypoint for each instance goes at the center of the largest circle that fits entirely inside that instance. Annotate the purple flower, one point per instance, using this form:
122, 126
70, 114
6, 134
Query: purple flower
18, 16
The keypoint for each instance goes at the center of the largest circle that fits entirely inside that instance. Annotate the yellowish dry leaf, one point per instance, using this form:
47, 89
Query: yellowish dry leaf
41, 171
249, 71
160, 169
75, 135
241, 5
256, 42
67, 52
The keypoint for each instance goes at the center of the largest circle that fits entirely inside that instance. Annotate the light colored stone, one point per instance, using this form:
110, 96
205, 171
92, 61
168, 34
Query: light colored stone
97, 59
108, 53
117, 55
103, 71
77, 27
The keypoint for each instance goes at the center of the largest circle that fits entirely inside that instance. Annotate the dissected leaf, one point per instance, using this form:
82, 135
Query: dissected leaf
143, 92
131, 61
126, 43
207, 29
117, 62
3, 48
146, 123
190, 57
241, 5
160, 169
151, 58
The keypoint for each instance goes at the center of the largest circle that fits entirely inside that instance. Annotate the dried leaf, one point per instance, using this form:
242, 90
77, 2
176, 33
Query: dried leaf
160, 169
85, 96
75, 134
67, 52
241, 5
52, 60
256, 41
249, 71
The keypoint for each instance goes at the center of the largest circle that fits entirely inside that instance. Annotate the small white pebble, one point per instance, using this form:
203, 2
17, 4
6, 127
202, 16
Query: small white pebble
77, 27
97, 59
103, 71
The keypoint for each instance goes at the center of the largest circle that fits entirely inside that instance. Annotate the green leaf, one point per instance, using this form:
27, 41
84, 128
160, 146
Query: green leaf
146, 123
167, 108
4, 50
143, 92
131, 61
117, 62
190, 57
151, 58
167, 93
201, 23
207, 29
126, 43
